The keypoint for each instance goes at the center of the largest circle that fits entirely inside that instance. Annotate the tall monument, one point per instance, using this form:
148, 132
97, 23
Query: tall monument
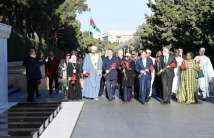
5, 31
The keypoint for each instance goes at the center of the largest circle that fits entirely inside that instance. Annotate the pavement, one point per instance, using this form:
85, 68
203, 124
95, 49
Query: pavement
103, 119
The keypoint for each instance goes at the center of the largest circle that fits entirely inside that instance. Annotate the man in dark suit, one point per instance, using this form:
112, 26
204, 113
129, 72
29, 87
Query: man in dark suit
33, 74
143, 66
167, 65
110, 66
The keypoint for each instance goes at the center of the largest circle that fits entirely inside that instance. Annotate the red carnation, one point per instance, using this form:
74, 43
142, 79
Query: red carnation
152, 69
183, 66
86, 74
73, 77
173, 65
114, 66
197, 61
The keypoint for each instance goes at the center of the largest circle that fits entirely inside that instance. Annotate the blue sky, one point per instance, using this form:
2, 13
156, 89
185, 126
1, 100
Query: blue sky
115, 15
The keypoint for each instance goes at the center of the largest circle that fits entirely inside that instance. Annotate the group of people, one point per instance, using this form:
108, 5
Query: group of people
125, 75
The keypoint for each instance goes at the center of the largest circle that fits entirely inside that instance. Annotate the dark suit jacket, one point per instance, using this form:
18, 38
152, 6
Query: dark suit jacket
33, 71
170, 71
112, 75
139, 66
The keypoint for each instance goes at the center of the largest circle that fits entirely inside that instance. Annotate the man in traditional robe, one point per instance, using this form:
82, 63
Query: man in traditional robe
92, 66
167, 65
176, 79
207, 68
111, 76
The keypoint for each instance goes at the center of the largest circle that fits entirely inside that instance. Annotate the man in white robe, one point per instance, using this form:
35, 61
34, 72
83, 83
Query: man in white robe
92, 65
177, 71
207, 68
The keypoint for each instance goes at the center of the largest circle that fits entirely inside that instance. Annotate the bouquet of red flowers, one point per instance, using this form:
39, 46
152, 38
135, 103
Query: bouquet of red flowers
197, 61
73, 78
151, 68
86, 74
125, 64
173, 65
114, 66
183, 66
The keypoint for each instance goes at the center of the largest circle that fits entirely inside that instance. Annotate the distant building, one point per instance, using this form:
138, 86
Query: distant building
117, 37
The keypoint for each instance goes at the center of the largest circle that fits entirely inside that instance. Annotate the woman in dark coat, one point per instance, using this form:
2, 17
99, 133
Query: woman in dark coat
157, 82
74, 77
128, 76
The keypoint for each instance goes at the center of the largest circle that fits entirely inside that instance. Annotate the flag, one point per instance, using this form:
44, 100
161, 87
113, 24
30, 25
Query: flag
93, 25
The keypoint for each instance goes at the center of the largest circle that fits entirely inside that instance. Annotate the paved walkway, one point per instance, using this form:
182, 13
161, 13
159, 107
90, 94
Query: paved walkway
103, 119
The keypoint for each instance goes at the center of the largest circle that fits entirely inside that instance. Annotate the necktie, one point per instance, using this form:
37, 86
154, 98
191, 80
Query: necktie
165, 60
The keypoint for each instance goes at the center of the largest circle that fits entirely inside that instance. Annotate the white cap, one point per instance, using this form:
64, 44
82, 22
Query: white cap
128, 54
148, 51
94, 48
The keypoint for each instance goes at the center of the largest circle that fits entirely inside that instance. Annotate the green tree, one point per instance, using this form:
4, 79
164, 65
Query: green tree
179, 23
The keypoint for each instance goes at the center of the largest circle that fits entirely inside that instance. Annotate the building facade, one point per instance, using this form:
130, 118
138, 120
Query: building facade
117, 37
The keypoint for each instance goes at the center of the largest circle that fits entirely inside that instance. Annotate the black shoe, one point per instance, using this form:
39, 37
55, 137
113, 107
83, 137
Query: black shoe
204, 99
164, 102
147, 100
38, 95
30, 100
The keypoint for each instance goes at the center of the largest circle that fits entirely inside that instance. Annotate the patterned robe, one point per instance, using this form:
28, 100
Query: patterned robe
189, 84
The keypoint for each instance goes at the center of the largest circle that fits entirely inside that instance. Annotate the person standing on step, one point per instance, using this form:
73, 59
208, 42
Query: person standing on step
52, 72
33, 74
167, 65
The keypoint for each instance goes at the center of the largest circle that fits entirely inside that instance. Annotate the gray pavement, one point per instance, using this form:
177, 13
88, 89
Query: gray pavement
103, 119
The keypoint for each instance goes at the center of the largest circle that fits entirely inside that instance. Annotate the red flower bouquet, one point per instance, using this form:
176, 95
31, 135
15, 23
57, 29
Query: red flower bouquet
183, 66
73, 78
152, 69
125, 64
86, 74
114, 66
173, 65
197, 61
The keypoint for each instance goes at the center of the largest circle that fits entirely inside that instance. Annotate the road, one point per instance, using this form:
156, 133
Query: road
103, 119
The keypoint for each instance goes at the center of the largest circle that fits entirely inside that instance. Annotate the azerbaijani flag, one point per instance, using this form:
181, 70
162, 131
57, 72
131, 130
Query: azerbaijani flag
93, 25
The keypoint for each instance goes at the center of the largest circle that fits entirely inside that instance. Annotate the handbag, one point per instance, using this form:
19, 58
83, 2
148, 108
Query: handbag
200, 74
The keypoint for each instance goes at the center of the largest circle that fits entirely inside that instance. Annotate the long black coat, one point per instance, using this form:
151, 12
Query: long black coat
33, 71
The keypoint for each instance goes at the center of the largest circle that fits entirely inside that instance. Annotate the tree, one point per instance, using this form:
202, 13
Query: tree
53, 22
179, 23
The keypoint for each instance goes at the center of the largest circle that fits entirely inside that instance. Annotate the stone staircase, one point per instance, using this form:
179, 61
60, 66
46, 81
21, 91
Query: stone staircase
12, 89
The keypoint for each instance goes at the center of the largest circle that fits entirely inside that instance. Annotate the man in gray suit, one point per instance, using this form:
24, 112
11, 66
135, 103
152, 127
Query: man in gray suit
167, 65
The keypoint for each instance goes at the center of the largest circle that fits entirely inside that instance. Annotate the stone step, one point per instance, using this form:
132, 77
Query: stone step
13, 90
10, 86
28, 120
